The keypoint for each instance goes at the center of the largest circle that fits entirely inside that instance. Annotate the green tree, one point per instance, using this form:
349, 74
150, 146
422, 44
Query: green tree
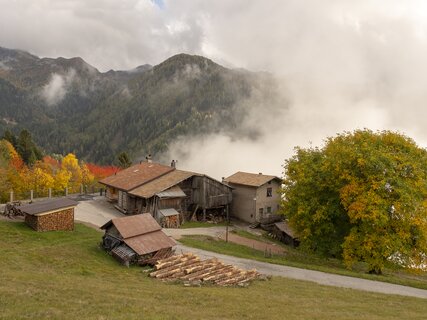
363, 196
27, 148
9, 136
124, 160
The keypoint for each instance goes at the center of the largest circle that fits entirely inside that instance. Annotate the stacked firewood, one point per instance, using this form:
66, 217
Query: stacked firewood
159, 255
12, 209
193, 271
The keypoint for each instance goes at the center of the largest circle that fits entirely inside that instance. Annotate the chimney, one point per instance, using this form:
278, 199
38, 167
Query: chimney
173, 164
260, 173
148, 158
223, 179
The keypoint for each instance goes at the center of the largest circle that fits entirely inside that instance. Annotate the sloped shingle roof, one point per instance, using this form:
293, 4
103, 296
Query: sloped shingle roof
162, 183
132, 226
250, 179
150, 242
136, 175
47, 206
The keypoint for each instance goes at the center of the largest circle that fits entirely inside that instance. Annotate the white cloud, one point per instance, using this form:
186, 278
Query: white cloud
343, 64
55, 90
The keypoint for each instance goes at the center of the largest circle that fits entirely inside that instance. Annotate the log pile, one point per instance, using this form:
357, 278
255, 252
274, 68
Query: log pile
12, 209
159, 255
192, 271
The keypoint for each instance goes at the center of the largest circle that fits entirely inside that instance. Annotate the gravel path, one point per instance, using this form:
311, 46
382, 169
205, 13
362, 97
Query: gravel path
97, 211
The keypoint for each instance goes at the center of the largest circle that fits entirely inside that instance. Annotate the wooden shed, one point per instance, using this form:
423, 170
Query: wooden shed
135, 238
50, 215
283, 232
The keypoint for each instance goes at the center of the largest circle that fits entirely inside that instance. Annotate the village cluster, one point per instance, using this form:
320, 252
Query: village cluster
153, 196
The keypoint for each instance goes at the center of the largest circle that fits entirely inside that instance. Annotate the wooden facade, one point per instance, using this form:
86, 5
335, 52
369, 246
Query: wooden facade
185, 192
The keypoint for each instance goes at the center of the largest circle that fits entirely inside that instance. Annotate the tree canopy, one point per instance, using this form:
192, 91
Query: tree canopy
48, 173
362, 197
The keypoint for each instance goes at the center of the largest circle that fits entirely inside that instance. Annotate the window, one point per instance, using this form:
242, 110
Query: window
269, 192
268, 209
261, 211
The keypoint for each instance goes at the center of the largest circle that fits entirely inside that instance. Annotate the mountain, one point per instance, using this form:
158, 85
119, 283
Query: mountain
69, 106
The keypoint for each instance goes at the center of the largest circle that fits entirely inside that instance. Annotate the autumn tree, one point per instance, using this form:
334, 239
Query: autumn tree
362, 197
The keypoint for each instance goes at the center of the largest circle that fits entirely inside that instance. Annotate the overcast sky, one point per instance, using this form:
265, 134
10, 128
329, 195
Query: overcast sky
342, 64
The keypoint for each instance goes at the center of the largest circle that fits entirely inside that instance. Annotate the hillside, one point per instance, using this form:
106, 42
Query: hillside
66, 275
69, 106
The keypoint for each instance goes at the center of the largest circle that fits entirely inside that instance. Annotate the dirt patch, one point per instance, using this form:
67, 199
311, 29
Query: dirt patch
255, 244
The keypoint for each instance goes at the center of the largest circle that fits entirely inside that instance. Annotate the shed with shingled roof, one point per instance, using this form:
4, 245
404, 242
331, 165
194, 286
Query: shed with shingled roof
50, 214
135, 238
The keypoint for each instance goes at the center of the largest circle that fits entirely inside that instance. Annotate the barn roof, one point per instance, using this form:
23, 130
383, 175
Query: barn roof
136, 175
141, 233
162, 183
284, 227
250, 179
132, 226
150, 242
46, 206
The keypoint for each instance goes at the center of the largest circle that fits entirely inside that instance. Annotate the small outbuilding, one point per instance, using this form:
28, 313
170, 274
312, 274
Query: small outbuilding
50, 215
136, 238
283, 232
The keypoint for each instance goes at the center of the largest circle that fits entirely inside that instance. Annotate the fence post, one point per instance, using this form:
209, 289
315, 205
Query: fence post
66, 191
11, 196
31, 195
50, 192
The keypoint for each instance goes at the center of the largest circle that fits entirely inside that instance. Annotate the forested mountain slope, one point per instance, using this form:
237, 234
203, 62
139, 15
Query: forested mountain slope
69, 106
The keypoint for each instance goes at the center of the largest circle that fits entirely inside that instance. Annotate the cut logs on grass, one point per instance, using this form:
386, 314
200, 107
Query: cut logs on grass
191, 270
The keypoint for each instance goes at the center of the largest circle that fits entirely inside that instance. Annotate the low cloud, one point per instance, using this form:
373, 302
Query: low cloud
340, 64
57, 87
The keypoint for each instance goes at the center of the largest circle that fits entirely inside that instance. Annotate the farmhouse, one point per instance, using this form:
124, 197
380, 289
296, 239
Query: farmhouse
255, 196
50, 215
168, 194
135, 238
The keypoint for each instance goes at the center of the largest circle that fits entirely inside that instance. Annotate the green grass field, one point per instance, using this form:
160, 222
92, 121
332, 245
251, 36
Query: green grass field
296, 258
65, 275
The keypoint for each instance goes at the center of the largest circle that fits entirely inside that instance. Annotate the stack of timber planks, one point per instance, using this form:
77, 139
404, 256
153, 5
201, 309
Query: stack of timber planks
193, 271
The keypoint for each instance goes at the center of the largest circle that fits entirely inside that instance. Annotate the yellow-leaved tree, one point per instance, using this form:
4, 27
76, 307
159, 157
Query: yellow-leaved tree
362, 197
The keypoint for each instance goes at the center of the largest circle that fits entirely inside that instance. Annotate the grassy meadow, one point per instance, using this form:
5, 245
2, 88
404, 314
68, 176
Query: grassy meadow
65, 275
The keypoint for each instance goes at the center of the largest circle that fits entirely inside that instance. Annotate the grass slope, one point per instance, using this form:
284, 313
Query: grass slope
65, 275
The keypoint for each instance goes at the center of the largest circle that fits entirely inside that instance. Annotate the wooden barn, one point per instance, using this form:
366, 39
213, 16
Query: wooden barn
169, 194
50, 215
135, 238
